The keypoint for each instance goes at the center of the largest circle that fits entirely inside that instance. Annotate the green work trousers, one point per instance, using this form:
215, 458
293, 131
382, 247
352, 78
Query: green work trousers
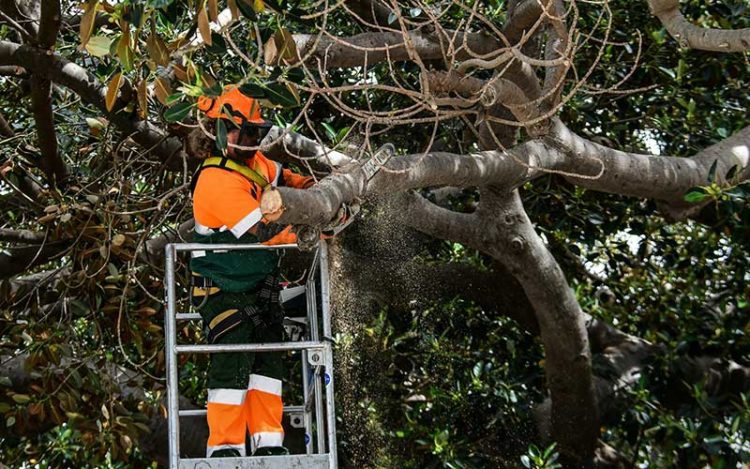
231, 370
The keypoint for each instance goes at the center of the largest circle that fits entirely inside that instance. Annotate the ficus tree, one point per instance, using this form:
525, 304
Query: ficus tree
560, 238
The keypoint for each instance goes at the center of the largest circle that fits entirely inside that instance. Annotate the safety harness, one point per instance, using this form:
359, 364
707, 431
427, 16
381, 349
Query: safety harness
267, 301
229, 164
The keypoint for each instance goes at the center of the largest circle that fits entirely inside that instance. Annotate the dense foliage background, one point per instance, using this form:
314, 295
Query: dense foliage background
445, 383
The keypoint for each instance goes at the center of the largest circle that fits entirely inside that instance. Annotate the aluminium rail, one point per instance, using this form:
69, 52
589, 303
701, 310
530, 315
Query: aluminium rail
317, 370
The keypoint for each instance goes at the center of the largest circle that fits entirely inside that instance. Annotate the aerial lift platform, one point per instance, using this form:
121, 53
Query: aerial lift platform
311, 338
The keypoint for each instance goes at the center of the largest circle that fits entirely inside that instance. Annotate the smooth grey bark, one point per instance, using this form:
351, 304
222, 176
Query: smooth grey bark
5, 129
281, 143
510, 237
501, 229
153, 250
50, 162
15, 260
22, 236
689, 35
581, 161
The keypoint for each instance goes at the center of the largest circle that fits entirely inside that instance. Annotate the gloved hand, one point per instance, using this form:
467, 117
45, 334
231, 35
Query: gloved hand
309, 236
343, 218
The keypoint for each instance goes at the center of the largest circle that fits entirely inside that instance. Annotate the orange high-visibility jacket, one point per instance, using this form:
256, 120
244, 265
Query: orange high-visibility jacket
226, 208
227, 200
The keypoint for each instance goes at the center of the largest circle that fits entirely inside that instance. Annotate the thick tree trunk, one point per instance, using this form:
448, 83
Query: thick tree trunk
513, 241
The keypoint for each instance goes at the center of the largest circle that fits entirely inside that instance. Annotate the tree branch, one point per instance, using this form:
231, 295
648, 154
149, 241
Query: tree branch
501, 229
21, 236
153, 249
376, 47
422, 215
13, 71
511, 239
647, 176
16, 260
5, 129
298, 146
695, 37
41, 103
49, 23
521, 16
582, 162
372, 11
76, 78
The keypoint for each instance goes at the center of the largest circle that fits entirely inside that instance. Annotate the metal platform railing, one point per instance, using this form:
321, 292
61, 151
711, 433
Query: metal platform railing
317, 409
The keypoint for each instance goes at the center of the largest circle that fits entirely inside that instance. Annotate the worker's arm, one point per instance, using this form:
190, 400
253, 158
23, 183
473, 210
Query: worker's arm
222, 200
292, 179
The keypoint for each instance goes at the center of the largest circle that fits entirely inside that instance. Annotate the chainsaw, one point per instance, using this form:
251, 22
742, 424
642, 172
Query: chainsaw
308, 236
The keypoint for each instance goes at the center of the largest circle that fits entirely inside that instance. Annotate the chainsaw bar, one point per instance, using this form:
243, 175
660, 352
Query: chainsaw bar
308, 236
378, 160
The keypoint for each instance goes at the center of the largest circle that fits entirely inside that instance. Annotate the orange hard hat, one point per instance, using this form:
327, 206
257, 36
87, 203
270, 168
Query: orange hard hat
233, 105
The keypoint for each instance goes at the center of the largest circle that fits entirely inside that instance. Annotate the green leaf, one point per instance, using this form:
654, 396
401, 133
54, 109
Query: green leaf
99, 46
279, 94
218, 45
213, 91
125, 51
221, 135
329, 131
414, 12
21, 398
695, 195
173, 98
280, 122
392, 17
668, 72
342, 134
253, 90
732, 171
295, 75
136, 14
178, 112
246, 10
596, 219
477, 370
712, 172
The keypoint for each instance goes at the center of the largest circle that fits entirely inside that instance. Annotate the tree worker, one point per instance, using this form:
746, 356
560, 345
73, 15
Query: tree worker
236, 292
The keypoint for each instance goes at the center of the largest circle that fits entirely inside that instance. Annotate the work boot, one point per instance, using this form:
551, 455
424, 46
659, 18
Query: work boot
226, 453
271, 451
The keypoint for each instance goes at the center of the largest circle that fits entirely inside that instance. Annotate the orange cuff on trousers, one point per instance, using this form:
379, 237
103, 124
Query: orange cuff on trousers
264, 410
226, 420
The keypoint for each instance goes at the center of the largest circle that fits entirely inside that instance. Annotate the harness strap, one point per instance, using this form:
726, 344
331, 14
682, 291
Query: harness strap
227, 163
230, 165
